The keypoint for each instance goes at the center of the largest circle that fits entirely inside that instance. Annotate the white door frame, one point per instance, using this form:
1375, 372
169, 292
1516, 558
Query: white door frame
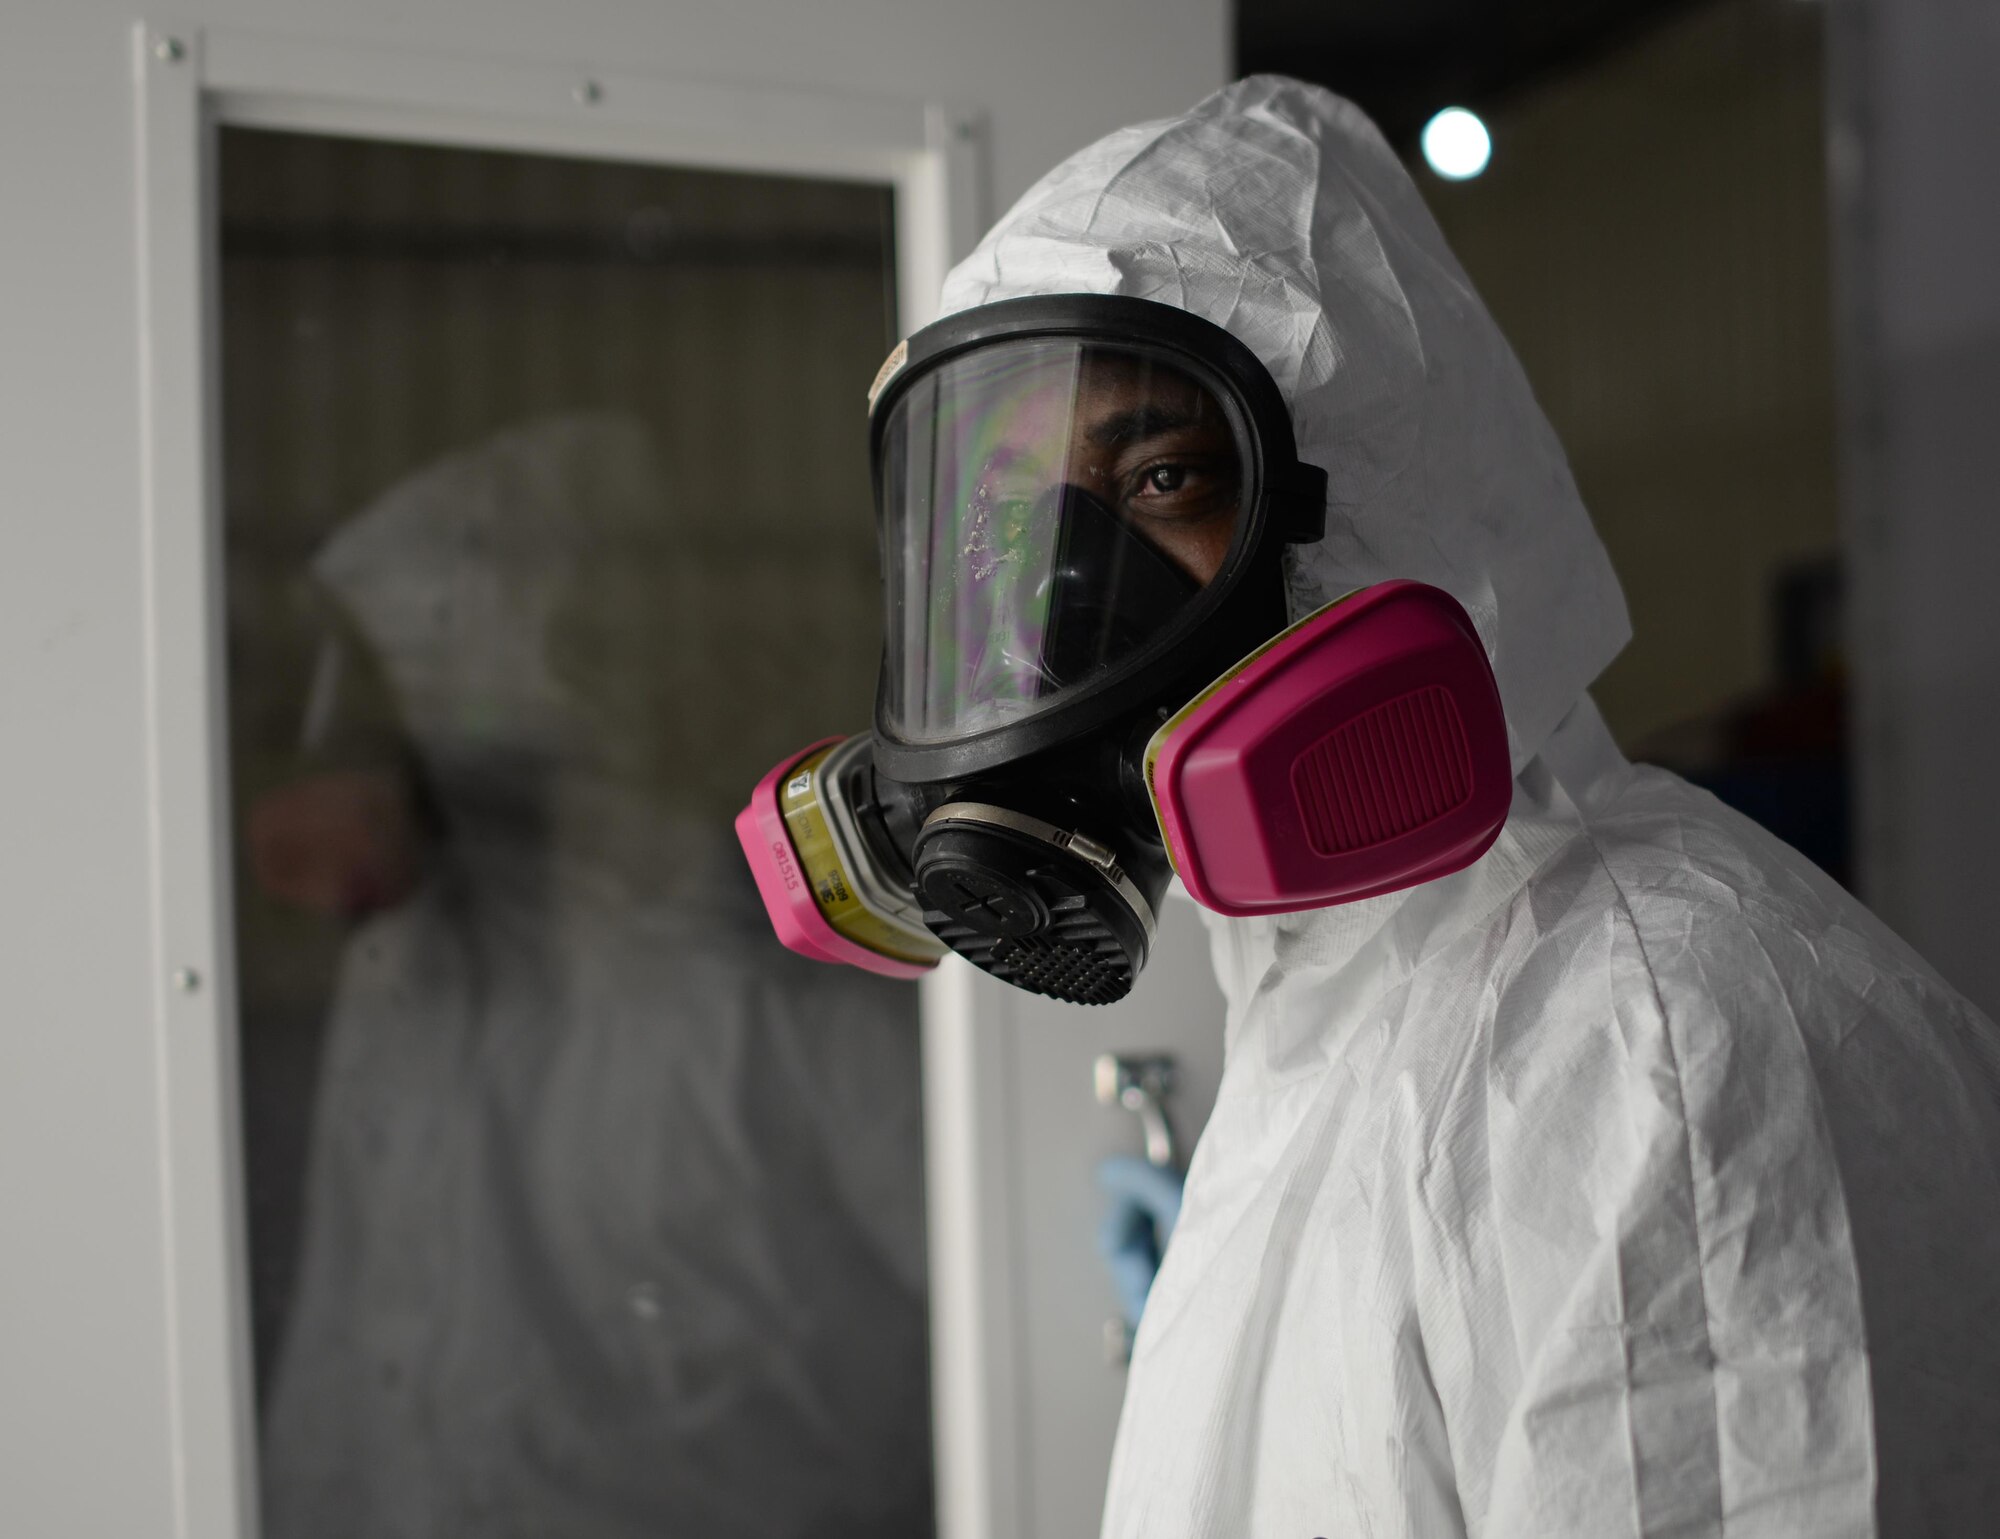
188, 79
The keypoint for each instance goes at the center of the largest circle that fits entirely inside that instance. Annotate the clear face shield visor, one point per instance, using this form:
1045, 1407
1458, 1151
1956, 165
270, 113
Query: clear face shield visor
1050, 507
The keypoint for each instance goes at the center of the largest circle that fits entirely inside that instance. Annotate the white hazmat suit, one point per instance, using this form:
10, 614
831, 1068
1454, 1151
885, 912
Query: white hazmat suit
1633, 1181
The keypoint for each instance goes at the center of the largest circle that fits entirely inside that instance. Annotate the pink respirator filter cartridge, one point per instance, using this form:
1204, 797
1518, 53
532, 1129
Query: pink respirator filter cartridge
785, 879
1363, 751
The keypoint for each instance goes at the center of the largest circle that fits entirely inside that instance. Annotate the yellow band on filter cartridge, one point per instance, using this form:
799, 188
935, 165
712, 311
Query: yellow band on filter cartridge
819, 859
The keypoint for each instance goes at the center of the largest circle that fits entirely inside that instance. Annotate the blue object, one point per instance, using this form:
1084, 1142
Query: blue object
1145, 1205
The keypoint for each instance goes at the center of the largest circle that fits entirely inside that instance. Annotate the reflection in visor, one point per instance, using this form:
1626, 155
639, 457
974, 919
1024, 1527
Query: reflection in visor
1048, 509
1001, 421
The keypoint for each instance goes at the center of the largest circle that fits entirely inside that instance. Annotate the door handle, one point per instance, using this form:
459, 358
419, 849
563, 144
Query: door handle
1141, 1085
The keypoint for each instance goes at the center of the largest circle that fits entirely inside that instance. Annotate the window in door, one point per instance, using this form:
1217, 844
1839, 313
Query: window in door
578, 1206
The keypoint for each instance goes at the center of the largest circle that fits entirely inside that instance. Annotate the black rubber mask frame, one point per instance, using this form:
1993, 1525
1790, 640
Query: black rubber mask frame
1280, 501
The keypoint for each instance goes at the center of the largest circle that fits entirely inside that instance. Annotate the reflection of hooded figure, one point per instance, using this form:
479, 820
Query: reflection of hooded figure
1634, 1180
614, 1212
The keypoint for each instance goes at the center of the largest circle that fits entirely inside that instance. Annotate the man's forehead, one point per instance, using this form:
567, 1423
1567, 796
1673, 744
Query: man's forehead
1106, 371
1105, 400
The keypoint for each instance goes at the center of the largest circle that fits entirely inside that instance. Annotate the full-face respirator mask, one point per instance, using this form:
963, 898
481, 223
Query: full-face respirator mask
1088, 682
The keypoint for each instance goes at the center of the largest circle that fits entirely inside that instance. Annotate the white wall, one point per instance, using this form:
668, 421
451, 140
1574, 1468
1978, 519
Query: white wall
1916, 136
85, 1441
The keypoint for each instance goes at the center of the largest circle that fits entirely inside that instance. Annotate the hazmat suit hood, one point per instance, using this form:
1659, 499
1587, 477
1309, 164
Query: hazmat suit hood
1276, 210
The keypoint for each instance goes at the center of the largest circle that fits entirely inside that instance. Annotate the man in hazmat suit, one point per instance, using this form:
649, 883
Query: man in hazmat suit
1621, 1175
1634, 1180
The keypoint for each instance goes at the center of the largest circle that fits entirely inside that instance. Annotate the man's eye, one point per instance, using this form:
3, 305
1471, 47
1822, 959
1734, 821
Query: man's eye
1178, 489
1168, 479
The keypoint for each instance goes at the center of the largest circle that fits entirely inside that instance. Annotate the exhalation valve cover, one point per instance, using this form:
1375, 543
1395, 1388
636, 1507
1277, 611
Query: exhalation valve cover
1035, 905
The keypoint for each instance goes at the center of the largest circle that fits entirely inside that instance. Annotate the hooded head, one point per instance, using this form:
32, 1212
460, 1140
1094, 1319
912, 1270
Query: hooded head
1275, 210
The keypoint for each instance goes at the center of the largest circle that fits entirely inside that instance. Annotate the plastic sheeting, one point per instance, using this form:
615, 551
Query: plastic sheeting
1634, 1180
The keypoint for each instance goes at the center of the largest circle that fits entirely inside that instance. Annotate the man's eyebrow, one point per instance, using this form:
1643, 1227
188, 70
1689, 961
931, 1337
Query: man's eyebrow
1138, 425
